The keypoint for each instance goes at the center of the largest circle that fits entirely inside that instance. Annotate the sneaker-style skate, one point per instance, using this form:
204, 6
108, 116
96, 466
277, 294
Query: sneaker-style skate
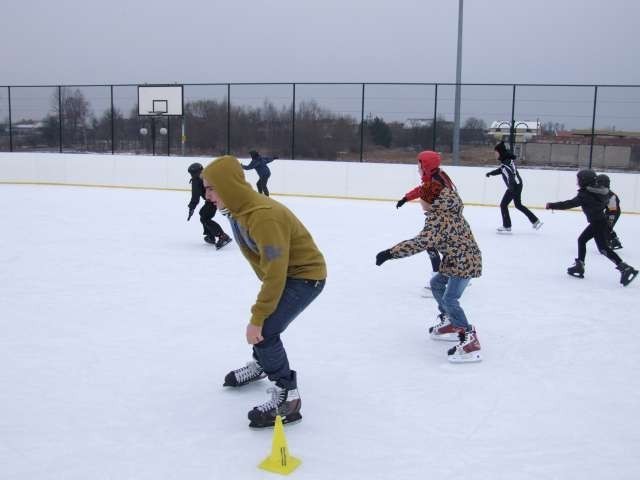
210, 239
627, 273
444, 329
503, 229
577, 269
223, 240
283, 402
468, 350
615, 243
251, 372
537, 225
426, 292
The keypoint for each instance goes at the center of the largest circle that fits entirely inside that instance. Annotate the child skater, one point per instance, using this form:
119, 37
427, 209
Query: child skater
449, 233
593, 199
612, 211
512, 179
260, 164
433, 181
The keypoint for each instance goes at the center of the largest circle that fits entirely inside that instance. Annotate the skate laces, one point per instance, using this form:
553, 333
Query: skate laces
248, 372
277, 395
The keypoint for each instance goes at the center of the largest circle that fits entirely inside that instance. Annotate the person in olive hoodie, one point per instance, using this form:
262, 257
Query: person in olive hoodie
292, 269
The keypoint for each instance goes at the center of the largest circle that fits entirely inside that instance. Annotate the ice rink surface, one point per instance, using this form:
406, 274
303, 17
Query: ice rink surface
118, 325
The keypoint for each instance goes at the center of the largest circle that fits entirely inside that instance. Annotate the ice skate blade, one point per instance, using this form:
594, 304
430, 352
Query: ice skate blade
500, 232
629, 279
446, 337
576, 275
466, 358
289, 419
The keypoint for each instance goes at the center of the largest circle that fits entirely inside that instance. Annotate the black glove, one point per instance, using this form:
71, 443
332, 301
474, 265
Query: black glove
190, 214
401, 202
382, 257
487, 174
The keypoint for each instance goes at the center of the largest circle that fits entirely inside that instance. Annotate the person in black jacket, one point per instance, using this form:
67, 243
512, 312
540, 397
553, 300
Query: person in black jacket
612, 211
513, 181
211, 228
260, 164
593, 198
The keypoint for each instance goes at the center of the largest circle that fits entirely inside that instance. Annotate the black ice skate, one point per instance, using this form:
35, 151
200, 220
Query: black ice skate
210, 239
285, 402
615, 243
222, 241
251, 372
627, 273
577, 269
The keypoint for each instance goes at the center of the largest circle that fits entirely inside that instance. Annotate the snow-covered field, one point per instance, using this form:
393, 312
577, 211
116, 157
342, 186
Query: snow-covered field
118, 324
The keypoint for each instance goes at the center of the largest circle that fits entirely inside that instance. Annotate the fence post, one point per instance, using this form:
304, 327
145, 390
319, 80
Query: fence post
593, 124
60, 117
435, 119
512, 128
10, 125
113, 125
228, 118
362, 124
293, 123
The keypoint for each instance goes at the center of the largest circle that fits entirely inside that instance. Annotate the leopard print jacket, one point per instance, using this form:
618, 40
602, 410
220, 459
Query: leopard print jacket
447, 231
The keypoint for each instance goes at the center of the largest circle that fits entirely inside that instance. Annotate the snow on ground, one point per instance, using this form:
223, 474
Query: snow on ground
118, 325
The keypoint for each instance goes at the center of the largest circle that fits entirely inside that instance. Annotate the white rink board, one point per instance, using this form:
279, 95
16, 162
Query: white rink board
300, 177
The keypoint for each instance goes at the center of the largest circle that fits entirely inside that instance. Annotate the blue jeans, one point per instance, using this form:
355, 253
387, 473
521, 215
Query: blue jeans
270, 353
447, 291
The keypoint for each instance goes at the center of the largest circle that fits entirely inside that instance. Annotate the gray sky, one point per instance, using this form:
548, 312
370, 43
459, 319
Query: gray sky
194, 41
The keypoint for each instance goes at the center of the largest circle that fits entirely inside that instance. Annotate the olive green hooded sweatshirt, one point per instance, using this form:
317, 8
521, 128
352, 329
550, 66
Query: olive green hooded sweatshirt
272, 239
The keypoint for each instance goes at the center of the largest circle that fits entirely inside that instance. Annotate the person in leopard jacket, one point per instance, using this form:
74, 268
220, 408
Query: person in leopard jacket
448, 231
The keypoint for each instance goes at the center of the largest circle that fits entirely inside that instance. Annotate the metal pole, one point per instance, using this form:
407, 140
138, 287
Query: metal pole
168, 136
293, 124
153, 136
593, 123
456, 115
512, 129
362, 124
113, 125
10, 125
228, 118
183, 138
435, 119
60, 117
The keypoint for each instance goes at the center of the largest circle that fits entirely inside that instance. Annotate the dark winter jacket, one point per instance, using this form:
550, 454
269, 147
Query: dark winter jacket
593, 201
448, 232
260, 164
612, 210
197, 191
508, 170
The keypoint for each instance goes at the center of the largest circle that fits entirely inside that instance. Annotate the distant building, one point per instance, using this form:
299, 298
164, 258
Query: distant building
524, 131
417, 122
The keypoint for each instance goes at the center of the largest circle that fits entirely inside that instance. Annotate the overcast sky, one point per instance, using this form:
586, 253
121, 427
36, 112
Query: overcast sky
193, 41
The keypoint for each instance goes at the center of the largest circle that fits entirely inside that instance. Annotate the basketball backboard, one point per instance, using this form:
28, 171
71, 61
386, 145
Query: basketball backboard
160, 100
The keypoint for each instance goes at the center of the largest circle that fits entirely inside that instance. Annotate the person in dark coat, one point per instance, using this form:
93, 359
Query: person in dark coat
211, 229
612, 211
259, 163
593, 199
512, 179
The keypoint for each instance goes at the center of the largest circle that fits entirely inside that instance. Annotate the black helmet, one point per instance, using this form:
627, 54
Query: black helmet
586, 178
195, 169
603, 180
254, 153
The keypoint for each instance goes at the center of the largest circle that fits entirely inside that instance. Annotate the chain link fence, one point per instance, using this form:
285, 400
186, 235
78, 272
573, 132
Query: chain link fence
549, 126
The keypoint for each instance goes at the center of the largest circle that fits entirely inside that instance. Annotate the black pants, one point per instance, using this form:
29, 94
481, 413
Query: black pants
262, 185
600, 232
514, 195
211, 228
434, 256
